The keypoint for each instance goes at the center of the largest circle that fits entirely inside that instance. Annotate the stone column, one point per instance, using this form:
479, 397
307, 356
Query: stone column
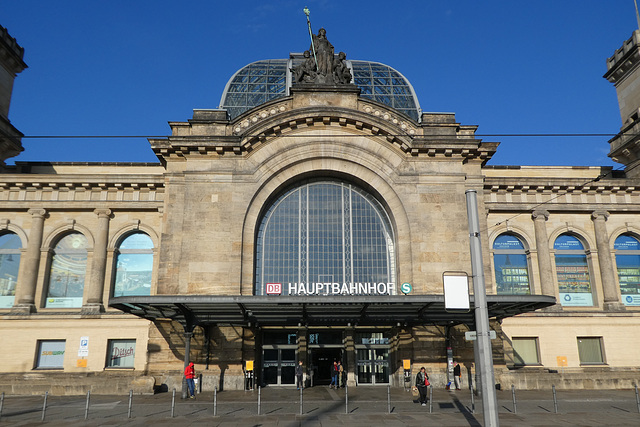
26, 289
544, 255
610, 293
99, 263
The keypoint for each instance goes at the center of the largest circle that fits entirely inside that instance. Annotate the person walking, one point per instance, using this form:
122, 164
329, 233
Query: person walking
190, 374
340, 371
299, 375
422, 382
334, 375
457, 375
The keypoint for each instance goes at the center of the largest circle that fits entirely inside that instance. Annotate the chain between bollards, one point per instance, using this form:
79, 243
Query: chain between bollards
215, 401
430, 398
44, 405
555, 399
259, 400
513, 396
346, 399
637, 399
130, 402
173, 402
86, 406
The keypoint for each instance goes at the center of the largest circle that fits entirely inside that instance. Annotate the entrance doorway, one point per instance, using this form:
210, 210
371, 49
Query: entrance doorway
322, 363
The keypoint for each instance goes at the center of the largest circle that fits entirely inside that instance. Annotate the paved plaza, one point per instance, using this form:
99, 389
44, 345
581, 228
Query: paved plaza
366, 406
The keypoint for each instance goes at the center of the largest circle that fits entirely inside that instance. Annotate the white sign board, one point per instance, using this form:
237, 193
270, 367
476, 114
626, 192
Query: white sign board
83, 350
472, 336
456, 291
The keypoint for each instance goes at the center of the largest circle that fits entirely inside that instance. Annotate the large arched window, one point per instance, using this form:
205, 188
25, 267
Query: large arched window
330, 236
9, 264
134, 266
510, 264
628, 262
67, 272
574, 281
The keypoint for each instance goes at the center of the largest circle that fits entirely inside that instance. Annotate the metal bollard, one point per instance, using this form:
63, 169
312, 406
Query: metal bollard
130, 402
430, 398
637, 400
555, 399
473, 401
346, 399
2, 402
388, 399
215, 401
258, 400
86, 406
513, 395
173, 402
300, 400
44, 405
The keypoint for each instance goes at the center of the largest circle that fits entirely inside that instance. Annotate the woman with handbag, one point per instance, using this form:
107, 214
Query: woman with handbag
422, 382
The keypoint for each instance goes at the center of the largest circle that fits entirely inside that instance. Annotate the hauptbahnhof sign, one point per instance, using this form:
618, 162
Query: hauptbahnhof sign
301, 289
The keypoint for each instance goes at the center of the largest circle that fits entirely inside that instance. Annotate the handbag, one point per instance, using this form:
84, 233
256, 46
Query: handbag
414, 391
426, 382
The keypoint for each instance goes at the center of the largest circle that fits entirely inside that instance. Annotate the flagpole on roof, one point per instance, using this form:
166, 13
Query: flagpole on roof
637, 14
313, 47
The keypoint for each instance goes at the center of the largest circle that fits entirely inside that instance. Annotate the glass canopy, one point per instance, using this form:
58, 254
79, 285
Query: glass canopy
263, 81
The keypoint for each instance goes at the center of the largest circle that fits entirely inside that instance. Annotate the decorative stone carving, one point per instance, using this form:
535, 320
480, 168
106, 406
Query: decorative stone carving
320, 66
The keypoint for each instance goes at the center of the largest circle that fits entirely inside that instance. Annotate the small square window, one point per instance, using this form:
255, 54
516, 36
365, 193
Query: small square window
50, 354
121, 353
590, 351
525, 351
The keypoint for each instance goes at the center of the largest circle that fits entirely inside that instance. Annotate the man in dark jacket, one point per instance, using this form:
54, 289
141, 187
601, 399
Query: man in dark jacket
457, 375
422, 383
299, 375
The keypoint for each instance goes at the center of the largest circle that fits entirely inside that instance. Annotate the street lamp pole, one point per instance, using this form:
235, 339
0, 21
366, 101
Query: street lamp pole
484, 356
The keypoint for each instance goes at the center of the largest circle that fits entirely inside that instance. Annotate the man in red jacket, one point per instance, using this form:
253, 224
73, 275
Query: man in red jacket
190, 374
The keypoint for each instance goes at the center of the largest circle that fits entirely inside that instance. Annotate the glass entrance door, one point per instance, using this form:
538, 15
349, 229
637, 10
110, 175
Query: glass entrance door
373, 365
278, 365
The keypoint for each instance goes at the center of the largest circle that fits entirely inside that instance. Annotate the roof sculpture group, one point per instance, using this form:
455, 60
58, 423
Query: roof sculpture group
323, 67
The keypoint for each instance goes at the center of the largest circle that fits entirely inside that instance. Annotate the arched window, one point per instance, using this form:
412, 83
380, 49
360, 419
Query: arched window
134, 266
510, 264
9, 264
628, 262
330, 236
573, 272
67, 272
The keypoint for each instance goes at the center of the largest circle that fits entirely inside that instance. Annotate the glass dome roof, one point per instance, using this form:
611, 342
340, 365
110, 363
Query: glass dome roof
263, 81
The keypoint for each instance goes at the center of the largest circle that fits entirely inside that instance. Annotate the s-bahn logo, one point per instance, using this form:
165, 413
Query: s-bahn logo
274, 288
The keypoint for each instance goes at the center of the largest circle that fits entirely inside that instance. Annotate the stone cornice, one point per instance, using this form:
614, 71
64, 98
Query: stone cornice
62, 182
563, 186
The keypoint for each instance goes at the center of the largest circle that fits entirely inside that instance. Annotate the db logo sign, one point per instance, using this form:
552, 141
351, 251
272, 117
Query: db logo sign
274, 288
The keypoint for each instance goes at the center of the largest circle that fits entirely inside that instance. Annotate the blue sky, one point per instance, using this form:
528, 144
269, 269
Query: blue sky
125, 67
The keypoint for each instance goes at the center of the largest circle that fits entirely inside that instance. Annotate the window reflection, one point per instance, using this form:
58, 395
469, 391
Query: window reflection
10, 245
510, 264
134, 266
628, 262
572, 271
67, 272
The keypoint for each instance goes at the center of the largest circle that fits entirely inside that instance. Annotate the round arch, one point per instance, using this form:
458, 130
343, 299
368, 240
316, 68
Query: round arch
327, 167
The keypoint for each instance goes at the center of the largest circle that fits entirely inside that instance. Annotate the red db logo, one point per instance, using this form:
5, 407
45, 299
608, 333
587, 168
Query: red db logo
274, 288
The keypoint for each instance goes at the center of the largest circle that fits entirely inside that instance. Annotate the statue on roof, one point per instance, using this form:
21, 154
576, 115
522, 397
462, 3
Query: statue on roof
323, 67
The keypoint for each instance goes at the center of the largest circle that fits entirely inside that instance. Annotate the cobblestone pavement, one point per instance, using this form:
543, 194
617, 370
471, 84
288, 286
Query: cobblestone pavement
366, 406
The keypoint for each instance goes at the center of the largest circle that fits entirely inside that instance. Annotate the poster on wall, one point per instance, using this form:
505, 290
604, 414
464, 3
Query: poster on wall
573, 281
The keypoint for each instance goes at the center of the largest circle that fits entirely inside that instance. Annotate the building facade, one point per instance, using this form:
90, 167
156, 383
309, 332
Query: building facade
312, 218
